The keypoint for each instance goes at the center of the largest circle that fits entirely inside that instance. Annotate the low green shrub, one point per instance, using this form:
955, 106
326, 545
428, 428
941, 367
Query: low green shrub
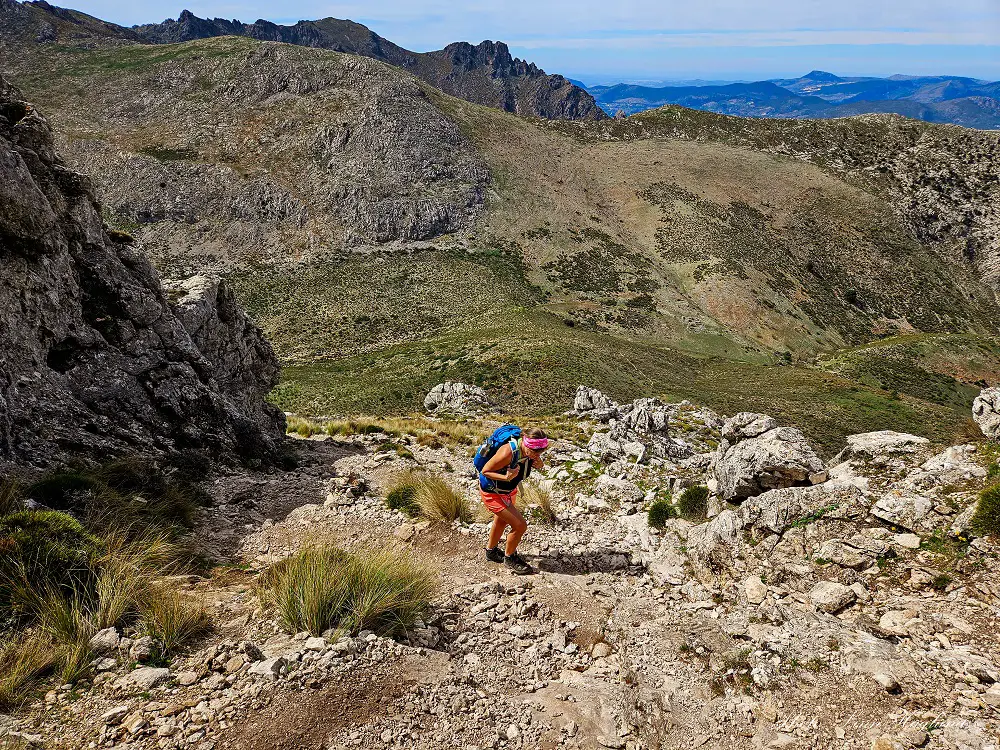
536, 501
660, 512
322, 587
41, 550
986, 519
693, 503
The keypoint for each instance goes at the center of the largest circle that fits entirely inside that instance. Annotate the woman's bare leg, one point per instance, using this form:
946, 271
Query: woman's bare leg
496, 531
512, 517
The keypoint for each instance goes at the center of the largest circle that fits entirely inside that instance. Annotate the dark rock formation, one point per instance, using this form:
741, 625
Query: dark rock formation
94, 362
485, 73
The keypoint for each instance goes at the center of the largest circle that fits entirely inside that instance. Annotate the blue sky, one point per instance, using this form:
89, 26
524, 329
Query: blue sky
601, 41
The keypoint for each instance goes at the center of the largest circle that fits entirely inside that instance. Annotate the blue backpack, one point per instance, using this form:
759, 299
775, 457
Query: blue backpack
508, 433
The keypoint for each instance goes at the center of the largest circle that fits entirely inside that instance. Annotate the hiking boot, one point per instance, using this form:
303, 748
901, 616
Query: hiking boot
517, 565
495, 555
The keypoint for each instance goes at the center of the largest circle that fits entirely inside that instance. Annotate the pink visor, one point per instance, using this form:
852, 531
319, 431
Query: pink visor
536, 444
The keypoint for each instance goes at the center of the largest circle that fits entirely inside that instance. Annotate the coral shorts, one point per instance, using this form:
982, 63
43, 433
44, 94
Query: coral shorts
498, 502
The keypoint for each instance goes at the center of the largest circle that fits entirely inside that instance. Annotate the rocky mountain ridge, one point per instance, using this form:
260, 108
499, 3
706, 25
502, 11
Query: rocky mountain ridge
96, 362
486, 74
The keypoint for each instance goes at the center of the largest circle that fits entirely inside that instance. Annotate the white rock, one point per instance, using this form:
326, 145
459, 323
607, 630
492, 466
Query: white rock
269, 667
986, 412
756, 455
907, 541
104, 641
887, 681
755, 589
142, 679
830, 596
897, 622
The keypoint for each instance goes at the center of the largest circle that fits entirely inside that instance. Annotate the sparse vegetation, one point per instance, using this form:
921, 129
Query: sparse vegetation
693, 503
536, 501
986, 520
321, 588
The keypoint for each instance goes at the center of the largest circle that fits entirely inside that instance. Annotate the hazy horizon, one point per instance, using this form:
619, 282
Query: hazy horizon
660, 41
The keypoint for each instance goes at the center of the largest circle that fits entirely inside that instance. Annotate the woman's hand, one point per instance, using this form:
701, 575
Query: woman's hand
537, 463
513, 472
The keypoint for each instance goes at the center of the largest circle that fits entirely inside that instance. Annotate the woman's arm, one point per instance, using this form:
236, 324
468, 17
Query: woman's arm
496, 468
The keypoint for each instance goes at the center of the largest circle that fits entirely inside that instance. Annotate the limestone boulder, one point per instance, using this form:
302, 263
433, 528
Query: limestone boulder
457, 398
757, 455
986, 412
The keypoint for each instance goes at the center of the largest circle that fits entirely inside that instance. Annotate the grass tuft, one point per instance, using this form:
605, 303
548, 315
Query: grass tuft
321, 587
422, 494
172, 620
23, 659
986, 520
537, 502
693, 503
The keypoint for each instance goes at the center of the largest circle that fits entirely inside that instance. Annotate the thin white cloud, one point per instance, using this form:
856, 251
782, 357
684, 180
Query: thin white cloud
758, 39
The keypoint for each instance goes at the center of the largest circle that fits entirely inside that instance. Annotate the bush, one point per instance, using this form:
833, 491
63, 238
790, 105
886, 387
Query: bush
321, 587
986, 520
41, 549
693, 503
660, 512
127, 493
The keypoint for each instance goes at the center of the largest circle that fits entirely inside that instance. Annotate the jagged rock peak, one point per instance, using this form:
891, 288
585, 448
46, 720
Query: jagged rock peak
94, 360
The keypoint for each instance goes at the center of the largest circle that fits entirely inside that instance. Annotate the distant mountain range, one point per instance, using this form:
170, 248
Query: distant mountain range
484, 74
946, 99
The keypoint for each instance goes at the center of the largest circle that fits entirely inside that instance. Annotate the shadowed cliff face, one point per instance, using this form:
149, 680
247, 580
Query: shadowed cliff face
94, 361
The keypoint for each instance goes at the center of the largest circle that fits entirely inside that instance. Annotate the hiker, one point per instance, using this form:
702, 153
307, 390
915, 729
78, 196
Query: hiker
503, 461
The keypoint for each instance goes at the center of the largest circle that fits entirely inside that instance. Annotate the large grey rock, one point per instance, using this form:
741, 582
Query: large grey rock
775, 511
104, 641
715, 545
640, 429
986, 412
869, 445
93, 359
906, 510
756, 455
142, 679
457, 398
832, 597
590, 399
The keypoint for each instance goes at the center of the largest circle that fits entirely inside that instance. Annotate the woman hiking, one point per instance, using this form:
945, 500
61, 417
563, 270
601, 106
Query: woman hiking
504, 460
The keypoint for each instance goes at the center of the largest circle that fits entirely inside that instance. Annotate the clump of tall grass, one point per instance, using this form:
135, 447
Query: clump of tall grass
322, 587
986, 518
23, 659
422, 494
171, 619
536, 501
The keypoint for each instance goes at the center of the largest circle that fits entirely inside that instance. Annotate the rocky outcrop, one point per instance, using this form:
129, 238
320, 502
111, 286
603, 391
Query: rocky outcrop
457, 398
986, 412
638, 431
757, 455
485, 73
94, 362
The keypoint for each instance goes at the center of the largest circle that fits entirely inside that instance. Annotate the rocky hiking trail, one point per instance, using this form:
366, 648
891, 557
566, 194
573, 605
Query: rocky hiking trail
816, 604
